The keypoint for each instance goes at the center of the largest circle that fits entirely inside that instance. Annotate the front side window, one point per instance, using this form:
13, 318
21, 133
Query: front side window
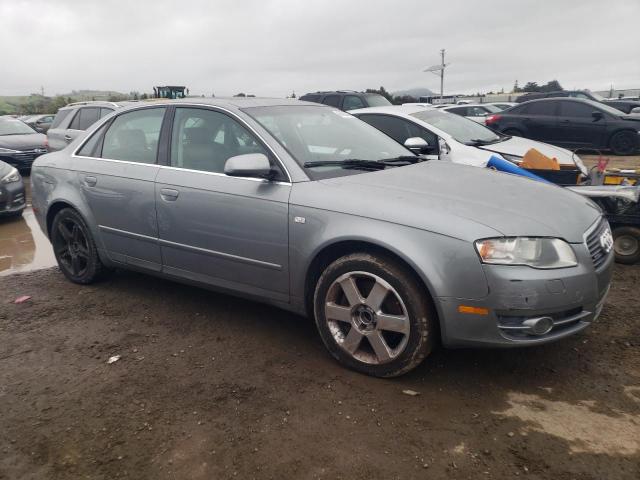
351, 102
204, 139
318, 134
576, 109
134, 136
459, 111
399, 129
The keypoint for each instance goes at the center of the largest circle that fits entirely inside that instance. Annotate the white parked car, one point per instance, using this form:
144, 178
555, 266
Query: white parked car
477, 112
455, 138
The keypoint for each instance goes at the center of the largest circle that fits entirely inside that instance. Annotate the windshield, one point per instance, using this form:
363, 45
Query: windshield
12, 126
460, 128
377, 101
597, 96
320, 134
604, 107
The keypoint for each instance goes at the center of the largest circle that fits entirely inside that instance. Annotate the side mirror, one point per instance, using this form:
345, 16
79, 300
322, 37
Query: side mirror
635, 111
597, 116
417, 145
254, 165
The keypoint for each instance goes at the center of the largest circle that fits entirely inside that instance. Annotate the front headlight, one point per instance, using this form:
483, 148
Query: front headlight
8, 150
530, 251
12, 176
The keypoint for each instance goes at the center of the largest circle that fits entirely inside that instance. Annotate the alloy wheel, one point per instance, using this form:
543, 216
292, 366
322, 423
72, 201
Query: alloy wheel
72, 246
367, 317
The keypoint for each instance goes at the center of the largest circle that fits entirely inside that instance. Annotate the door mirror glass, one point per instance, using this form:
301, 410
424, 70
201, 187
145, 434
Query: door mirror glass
635, 111
597, 116
249, 165
417, 144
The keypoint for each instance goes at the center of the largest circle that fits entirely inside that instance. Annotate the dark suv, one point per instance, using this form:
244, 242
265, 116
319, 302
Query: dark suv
623, 105
347, 99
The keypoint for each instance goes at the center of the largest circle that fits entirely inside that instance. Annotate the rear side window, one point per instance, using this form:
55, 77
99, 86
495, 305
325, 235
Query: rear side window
332, 100
351, 102
134, 136
105, 111
85, 117
576, 109
60, 116
541, 108
92, 146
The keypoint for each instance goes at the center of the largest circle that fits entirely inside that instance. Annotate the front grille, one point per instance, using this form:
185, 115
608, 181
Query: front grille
596, 250
23, 157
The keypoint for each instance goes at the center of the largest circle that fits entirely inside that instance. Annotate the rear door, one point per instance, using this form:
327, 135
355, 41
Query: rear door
226, 231
540, 120
577, 127
116, 170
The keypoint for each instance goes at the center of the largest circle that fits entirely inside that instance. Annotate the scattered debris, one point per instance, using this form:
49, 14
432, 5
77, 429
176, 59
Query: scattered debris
411, 393
22, 299
113, 359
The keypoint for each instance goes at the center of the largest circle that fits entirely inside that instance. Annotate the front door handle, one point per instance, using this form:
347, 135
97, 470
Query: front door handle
90, 181
68, 138
169, 194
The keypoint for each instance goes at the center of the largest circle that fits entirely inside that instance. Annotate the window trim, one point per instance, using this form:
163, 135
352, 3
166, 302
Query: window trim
164, 144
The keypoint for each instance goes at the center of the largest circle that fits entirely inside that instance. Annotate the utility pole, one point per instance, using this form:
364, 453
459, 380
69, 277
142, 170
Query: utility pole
439, 69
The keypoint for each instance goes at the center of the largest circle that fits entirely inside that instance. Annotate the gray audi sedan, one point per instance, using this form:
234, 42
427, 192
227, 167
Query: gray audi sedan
308, 208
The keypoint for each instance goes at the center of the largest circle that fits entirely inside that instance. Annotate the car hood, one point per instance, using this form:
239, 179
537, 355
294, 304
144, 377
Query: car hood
27, 141
519, 146
455, 200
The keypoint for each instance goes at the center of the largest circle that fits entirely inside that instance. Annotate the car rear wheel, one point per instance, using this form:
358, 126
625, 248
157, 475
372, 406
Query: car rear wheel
373, 315
624, 143
74, 248
626, 245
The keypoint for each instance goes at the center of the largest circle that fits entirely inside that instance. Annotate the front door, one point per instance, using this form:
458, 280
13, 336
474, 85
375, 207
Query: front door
225, 231
116, 169
578, 126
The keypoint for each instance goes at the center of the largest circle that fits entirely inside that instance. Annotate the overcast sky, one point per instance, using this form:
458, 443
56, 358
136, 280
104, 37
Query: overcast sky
271, 47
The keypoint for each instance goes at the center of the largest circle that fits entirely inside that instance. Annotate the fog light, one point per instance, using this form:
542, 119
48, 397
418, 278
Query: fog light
539, 326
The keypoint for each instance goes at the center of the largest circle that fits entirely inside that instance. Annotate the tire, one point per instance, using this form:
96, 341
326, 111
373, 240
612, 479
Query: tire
514, 132
623, 143
626, 245
384, 334
74, 248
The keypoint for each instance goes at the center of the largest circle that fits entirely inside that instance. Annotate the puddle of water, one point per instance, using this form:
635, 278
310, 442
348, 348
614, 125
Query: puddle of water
586, 430
23, 246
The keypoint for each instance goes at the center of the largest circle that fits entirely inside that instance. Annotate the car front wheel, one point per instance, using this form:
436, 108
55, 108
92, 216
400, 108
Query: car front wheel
373, 315
74, 248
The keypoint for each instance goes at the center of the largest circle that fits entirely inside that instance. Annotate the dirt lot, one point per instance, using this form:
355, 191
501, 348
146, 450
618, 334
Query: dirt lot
211, 387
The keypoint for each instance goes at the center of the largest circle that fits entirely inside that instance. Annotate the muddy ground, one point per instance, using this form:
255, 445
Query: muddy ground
213, 387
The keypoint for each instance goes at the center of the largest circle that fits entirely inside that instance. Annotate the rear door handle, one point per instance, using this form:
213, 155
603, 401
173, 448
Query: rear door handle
169, 194
91, 181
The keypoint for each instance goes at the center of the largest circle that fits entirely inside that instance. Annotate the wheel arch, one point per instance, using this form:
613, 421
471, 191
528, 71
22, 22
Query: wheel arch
331, 252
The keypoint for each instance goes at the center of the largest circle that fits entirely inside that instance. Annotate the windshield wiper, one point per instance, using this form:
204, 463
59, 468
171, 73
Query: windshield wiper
356, 163
479, 141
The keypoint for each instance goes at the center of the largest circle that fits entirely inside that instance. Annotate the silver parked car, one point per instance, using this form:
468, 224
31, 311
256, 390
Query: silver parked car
306, 207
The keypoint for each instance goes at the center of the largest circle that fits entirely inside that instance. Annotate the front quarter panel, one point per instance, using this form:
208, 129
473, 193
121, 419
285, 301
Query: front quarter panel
448, 266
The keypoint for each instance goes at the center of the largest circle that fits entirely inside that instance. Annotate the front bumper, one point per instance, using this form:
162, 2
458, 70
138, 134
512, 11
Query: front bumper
22, 160
12, 198
571, 297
